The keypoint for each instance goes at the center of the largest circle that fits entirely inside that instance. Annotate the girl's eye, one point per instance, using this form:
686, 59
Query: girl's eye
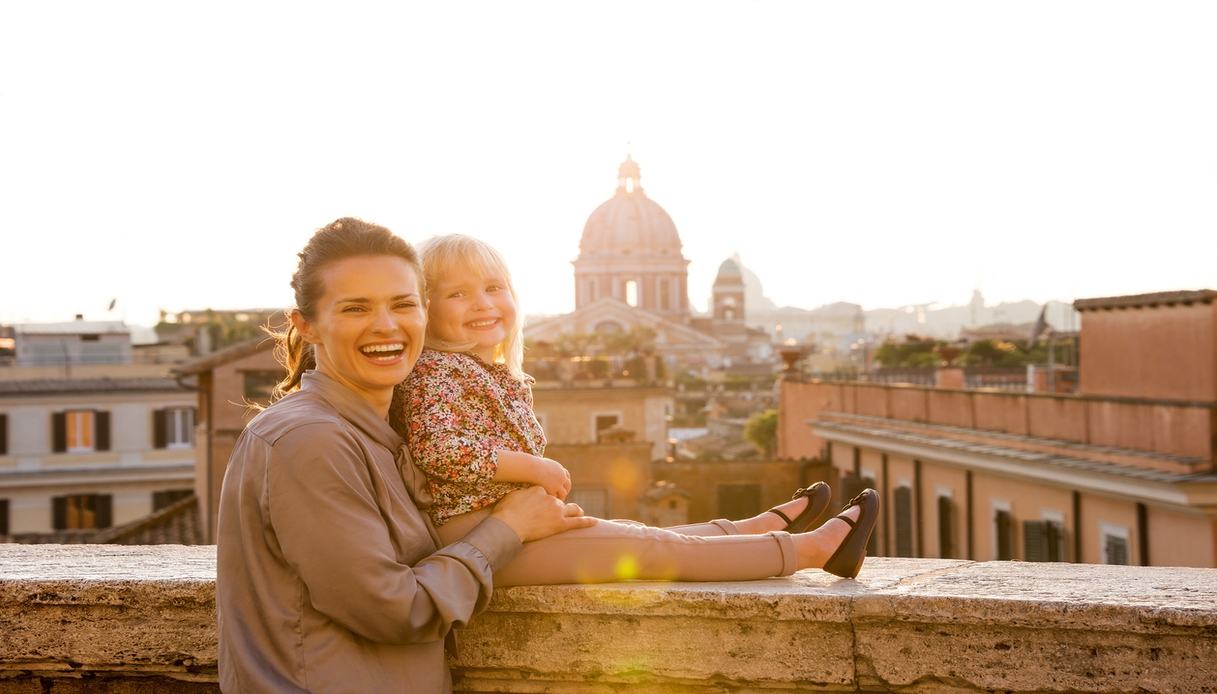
493, 288
456, 295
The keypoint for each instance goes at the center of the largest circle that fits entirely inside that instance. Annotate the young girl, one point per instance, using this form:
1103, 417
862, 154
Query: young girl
466, 413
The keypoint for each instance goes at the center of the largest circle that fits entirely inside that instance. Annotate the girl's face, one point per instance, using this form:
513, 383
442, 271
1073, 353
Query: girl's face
469, 307
369, 324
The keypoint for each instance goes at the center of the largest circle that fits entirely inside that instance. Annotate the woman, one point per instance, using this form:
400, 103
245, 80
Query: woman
329, 576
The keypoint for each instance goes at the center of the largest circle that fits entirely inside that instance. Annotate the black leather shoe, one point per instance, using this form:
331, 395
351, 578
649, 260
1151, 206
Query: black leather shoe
818, 497
846, 562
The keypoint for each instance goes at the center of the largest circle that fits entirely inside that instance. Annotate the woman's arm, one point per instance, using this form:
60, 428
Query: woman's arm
325, 522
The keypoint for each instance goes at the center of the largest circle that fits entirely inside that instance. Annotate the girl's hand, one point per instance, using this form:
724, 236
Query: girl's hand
552, 477
530, 469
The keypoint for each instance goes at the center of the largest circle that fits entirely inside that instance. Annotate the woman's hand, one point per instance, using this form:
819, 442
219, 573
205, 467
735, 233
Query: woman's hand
533, 514
530, 469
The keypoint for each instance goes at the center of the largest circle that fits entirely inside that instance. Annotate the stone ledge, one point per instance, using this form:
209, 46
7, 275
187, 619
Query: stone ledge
142, 617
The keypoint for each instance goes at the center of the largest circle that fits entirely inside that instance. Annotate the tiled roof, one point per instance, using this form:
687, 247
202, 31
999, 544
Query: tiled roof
89, 385
232, 353
177, 524
1143, 300
875, 428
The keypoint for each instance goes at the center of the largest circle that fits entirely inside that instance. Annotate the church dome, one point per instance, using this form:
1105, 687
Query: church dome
630, 223
729, 268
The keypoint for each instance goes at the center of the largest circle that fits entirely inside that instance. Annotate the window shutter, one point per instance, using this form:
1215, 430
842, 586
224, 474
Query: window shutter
59, 434
1054, 541
872, 545
1005, 544
3, 516
1034, 541
851, 487
1117, 550
904, 522
3, 435
101, 508
159, 428
59, 512
946, 531
101, 430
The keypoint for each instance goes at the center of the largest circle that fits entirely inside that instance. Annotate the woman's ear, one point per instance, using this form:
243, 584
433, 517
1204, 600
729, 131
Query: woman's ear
303, 326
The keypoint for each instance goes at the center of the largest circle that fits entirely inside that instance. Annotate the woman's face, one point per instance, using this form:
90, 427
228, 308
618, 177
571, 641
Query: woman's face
369, 324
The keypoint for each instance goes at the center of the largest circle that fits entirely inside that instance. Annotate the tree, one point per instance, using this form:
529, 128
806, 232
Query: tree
762, 431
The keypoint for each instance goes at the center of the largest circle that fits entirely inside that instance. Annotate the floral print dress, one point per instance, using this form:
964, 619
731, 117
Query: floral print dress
456, 412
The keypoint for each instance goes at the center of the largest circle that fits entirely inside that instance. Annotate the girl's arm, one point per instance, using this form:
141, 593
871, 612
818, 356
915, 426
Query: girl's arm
515, 466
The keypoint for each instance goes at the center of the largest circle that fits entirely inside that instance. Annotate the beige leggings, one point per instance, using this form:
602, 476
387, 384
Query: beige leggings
617, 550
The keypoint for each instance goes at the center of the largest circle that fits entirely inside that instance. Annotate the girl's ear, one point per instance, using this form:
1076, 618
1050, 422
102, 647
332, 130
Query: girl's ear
304, 327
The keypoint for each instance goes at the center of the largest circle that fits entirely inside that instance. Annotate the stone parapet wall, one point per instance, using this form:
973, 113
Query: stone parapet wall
128, 619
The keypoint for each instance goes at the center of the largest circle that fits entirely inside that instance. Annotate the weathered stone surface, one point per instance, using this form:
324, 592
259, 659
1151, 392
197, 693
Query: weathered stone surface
140, 619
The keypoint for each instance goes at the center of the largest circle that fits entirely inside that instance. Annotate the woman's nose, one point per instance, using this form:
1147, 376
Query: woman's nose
383, 320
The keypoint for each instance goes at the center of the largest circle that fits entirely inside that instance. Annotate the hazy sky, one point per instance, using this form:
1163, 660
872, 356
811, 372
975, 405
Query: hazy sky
176, 155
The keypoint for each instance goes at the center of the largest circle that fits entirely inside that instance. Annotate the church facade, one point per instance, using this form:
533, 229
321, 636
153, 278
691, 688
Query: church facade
631, 274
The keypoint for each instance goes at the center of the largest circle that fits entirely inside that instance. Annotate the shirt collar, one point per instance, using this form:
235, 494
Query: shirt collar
353, 408
357, 411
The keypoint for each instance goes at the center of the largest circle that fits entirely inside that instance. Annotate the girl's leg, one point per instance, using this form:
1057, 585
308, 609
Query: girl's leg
764, 523
611, 551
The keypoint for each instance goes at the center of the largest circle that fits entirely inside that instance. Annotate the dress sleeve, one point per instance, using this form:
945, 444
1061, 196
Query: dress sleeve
323, 513
445, 434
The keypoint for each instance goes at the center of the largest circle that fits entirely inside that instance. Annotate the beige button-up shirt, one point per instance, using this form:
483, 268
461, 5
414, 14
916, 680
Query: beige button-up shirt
329, 577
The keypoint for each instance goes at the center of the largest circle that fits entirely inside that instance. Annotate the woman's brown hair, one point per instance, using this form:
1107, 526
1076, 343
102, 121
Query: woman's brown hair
341, 239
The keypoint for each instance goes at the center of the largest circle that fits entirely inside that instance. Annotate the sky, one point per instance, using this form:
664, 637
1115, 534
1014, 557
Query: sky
178, 155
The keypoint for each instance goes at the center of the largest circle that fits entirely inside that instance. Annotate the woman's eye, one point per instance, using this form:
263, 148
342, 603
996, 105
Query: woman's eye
406, 304
352, 309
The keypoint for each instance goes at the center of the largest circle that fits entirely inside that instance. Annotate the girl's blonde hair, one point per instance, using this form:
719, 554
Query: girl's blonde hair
442, 256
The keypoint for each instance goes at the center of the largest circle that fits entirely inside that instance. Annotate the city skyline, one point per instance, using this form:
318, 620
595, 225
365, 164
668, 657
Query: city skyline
1041, 152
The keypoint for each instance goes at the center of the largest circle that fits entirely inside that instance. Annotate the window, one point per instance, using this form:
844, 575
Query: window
631, 292
946, 527
80, 431
1114, 544
602, 422
3, 517
1044, 540
81, 511
739, 500
173, 427
169, 497
260, 384
594, 502
904, 521
3, 436
1003, 524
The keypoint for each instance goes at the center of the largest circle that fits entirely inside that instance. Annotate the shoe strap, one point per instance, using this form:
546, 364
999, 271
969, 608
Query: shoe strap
781, 515
847, 519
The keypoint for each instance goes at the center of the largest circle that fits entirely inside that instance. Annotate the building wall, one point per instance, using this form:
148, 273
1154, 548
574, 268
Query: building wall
569, 414
1100, 513
1178, 538
620, 472
1167, 352
943, 480
129, 470
702, 480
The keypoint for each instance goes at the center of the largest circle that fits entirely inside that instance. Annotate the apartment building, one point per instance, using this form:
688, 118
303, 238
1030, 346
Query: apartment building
91, 437
1121, 472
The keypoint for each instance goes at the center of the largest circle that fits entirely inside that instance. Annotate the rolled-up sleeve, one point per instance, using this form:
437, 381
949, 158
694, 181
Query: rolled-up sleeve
321, 502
